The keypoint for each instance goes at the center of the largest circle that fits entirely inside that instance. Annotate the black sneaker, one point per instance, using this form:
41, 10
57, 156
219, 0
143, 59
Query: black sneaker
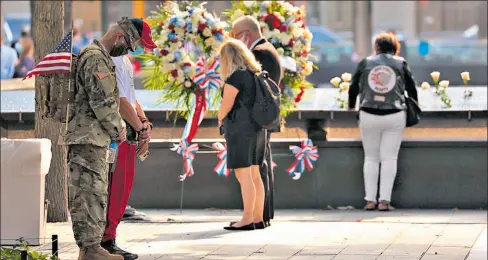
112, 248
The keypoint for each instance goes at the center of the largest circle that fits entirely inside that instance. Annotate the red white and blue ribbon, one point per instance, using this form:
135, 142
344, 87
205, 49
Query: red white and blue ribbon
188, 153
221, 168
207, 77
305, 156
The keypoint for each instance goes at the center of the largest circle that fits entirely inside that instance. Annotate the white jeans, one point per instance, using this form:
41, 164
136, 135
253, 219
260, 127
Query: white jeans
381, 137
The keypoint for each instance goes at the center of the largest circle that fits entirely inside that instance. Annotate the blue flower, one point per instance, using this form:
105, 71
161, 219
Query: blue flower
191, 11
177, 55
171, 36
274, 40
219, 37
173, 20
189, 27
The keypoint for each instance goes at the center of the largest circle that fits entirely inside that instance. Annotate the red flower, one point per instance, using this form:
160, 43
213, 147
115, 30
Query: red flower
171, 26
202, 27
304, 53
303, 25
291, 43
283, 28
164, 52
298, 98
273, 21
187, 64
174, 73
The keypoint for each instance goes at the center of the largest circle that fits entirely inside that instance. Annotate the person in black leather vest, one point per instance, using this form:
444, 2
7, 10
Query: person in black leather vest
381, 82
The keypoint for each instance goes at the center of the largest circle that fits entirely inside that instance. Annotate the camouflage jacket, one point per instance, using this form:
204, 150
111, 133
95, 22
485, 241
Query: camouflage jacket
96, 119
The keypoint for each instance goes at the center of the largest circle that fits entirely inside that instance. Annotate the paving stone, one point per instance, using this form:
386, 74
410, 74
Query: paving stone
415, 250
448, 251
393, 257
354, 257
371, 249
330, 249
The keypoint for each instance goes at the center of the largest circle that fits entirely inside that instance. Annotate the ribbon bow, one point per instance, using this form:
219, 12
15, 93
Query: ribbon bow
188, 153
207, 77
221, 168
305, 156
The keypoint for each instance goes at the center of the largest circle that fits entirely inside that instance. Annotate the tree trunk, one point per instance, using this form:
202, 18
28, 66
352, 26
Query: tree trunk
48, 24
68, 16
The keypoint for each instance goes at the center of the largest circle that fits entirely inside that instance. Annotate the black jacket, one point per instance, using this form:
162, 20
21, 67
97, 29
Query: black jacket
359, 78
269, 58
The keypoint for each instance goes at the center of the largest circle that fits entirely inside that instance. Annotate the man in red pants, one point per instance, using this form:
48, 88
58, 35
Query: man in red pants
121, 179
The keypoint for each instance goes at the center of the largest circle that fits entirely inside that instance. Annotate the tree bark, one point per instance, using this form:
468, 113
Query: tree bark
68, 16
48, 21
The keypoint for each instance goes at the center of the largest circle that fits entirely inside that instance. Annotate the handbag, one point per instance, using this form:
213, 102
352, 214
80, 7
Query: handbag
413, 111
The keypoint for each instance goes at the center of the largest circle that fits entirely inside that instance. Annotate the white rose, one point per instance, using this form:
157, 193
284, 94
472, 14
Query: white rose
293, 26
285, 39
465, 77
249, 4
346, 77
263, 24
298, 32
207, 32
344, 86
170, 57
425, 85
210, 41
435, 76
444, 84
335, 81
307, 35
181, 77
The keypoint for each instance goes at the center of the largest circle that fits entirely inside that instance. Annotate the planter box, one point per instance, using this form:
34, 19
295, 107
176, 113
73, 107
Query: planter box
24, 164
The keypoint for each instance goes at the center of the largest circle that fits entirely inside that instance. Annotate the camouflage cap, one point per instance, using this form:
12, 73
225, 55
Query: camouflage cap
131, 32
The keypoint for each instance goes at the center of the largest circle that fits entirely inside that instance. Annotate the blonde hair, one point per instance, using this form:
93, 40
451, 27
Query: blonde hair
235, 55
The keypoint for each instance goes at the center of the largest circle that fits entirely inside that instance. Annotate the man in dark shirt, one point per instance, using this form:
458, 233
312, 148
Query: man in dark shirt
247, 30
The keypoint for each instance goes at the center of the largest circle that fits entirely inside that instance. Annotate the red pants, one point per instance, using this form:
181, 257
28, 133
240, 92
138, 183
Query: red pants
119, 188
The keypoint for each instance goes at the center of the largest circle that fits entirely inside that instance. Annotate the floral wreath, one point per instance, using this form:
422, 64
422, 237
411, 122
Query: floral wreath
283, 25
185, 63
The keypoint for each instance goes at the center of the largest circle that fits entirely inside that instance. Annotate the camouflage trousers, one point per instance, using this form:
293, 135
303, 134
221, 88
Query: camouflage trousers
88, 174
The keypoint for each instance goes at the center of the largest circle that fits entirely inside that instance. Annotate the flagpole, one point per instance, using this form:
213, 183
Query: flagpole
69, 76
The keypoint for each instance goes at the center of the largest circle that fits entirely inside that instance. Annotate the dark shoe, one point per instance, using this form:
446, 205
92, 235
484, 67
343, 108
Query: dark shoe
112, 248
267, 223
246, 227
260, 225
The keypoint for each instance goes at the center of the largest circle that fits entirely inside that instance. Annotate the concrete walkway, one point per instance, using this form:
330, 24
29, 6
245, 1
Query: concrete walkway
301, 234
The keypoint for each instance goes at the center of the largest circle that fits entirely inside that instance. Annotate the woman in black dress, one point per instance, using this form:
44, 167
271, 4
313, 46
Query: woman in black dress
238, 66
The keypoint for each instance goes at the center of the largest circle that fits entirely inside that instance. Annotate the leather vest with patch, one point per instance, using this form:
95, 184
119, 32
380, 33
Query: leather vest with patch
382, 84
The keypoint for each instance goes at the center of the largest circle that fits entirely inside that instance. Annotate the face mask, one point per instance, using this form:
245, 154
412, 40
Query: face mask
118, 50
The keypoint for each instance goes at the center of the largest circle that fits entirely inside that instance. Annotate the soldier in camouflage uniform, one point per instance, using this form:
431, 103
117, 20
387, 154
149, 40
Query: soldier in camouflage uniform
96, 122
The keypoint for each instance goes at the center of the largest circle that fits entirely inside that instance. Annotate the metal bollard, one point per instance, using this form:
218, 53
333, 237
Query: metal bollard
54, 248
23, 255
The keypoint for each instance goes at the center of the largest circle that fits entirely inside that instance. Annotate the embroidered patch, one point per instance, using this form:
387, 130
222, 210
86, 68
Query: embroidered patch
379, 98
102, 75
382, 79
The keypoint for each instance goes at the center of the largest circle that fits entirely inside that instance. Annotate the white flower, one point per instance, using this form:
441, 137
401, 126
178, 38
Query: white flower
335, 81
465, 77
346, 77
171, 66
307, 35
263, 24
187, 84
444, 84
285, 39
181, 77
425, 85
308, 68
249, 4
207, 32
163, 37
170, 57
210, 41
298, 32
266, 3
435, 76
344, 86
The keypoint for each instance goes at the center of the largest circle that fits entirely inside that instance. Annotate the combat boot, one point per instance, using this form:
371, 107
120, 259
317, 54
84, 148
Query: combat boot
97, 253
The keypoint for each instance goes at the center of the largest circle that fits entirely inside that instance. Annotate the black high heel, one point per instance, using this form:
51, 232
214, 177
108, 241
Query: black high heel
257, 225
246, 227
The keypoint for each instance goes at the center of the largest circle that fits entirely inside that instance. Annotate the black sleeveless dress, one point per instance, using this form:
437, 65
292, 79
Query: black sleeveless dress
240, 130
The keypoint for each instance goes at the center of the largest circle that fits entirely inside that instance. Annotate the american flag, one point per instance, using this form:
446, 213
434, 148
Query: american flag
57, 61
